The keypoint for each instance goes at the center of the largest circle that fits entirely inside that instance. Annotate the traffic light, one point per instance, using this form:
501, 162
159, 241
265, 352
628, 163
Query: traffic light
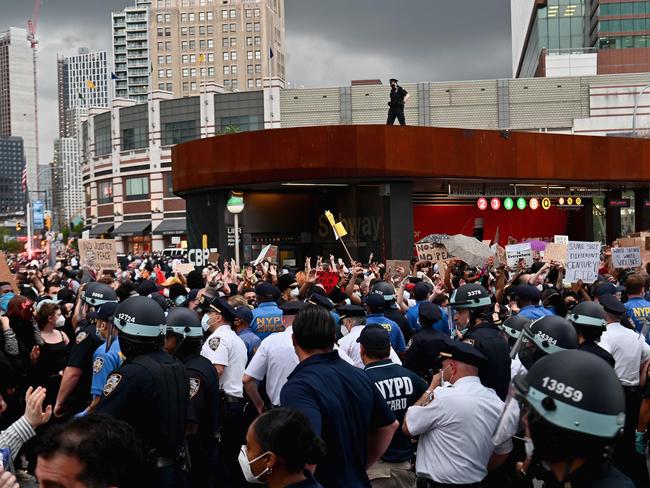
48, 222
18, 226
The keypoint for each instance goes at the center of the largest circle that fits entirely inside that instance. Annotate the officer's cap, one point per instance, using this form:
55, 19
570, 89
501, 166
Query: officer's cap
264, 289
528, 293
221, 306
286, 280
375, 302
430, 312
292, 307
612, 305
194, 292
463, 352
374, 336
323, 301
244, 314
393, 79
345, 311
106, 311
421, 291
605, 288
147, 287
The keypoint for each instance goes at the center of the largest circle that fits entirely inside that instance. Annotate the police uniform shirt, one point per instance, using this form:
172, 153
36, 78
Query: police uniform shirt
251, 341
401, 388
202, 408
534, 312
397, 98
274, 360
594, 348
267, 320
223, 347
489, 340
396, 336
81, 356
349, 345
423, 349
638, 310
455, 432
104, 363
399, 318
629, 351
342, 405
516, 367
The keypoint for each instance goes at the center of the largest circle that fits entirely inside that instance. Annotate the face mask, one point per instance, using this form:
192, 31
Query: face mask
443, 381
205, 322
60, 321
295, 292
344, 330
357, 294
180, 300
166, 292
406, 296
252, 302
245, 465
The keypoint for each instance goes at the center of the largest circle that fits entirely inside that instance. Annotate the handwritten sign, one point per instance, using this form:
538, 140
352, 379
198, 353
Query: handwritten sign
431, 252
626, 257
329, 280
6, 274
183, 268
98, 253
393, 264
268, 253
561, 239
583, 261
556, 252
515, 252
500, 254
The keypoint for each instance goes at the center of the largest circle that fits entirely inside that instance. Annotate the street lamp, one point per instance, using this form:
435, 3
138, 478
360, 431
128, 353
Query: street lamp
235, 206
636, 108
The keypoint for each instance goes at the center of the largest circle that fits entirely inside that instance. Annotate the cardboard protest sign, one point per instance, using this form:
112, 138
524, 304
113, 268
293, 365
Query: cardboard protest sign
431, 252
583, 261
626, 257
98, 253
500, 254
6, 274
268, 253
183, 268
393, 264
329, 280
515, 252
556, 252
561, 239
213, 257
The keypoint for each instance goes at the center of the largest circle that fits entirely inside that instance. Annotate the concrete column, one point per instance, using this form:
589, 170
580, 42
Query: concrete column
398, 219
612, 217
581, 222
641, 212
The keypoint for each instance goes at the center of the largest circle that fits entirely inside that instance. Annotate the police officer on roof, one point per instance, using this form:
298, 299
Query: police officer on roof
74, 394
398, 98
183, 341
473, 306
150, 391
573, 412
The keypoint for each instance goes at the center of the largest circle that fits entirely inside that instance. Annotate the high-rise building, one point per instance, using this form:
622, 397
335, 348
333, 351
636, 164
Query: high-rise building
83, 82
45, 179
17, 111
580, 37
131, 51
69, 196
12, 160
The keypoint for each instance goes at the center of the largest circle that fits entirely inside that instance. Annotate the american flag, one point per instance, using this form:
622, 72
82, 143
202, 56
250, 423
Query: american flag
24, 179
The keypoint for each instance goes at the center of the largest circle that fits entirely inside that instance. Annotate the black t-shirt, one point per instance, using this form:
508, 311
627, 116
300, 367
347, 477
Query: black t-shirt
401, 388
397, 96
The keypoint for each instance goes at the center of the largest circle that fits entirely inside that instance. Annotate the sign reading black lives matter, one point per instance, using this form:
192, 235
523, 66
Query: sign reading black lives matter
98, 253
626, 257
583, 260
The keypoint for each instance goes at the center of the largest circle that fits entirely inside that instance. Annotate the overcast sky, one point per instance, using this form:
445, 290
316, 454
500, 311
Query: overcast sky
329, 42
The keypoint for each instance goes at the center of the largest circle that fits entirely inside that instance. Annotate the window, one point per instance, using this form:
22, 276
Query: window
224, 28
190, 17
233, 42
183, 17
170, 87
250, 83
169, 59
210, 57
258, 55
192, 44
168, 45
169, 185
258, 69
184, 45
202, 44
211, 71
257, 12
249, 69
186, 86
186, 72
168, 31
233, 27
258, 41
193, 72
233, 55
136, 137
191, 31
161, 73
249, 41
168, 17
209, 16
105, 191
257, 27
226, 83
201, 16
258, 83
224, 14
161, 59
210, 30
161, 46
210, 43
161, 86
226, 70
178, 132
234, 84
193, 85
160, 17
249, 27
202, 72
201, 30
160, 31
249, 55
137, 188
169, 73
185, 58
249, 13
226, 56
233, 70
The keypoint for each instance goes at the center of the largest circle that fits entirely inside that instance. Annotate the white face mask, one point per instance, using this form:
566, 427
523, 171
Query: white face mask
295, 292
205, 322
443, 381
344, 330
245, 465
60, 321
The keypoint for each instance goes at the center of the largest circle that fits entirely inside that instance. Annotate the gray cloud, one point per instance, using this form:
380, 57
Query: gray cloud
329, 42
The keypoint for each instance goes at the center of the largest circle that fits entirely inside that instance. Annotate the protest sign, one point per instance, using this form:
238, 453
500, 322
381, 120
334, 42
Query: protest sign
583, 261
561, 239
515, 252
556, 252
6, 274
626, 257
98, 253
431, 252
213, 257
329, 280
183, 268
268, 253
393, 264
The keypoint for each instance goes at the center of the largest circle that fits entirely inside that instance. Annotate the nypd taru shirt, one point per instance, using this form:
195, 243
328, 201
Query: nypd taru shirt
267, 320
395, 333
638, 309
401, 388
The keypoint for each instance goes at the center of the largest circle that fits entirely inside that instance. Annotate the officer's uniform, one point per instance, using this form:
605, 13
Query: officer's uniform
638, 310
250, 339
456, 427
267, 317
395, 333
104, 363
592, 347
81, 355
396, 110
203, 410
425, 346
392, 313
488, 339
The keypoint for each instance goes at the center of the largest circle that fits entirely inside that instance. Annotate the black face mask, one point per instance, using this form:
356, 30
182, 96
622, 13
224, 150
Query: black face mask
252, 302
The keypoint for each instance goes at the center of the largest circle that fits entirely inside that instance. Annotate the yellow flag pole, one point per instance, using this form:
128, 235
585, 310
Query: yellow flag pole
339, 232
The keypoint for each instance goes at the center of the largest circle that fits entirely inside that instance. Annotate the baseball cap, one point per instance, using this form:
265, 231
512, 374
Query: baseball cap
106, 311
244, 314
374, 336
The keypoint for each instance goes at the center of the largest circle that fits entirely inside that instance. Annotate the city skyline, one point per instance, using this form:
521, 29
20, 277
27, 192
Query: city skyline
324, 47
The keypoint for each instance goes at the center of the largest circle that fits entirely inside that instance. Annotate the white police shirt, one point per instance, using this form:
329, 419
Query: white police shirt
349, 345
516, 367
629, 350
274, 360
455, 432
225, 348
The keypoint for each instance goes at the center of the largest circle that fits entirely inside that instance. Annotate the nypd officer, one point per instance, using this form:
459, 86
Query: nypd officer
398, 98
573, 413
426, 344
183, 341
588, 318
512, 328
548, 335
74, 393
401, 388
267, 317
473, 305
376, 305
150, 391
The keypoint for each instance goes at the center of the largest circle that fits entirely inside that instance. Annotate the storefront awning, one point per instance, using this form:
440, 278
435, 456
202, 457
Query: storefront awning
132, 229
172, 227
101, 229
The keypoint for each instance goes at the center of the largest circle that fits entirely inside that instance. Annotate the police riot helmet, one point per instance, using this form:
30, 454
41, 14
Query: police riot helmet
184, 322
470, 296
575, 406
139, 317
587, 314
547, 335
386, 289
96, 294
514, 325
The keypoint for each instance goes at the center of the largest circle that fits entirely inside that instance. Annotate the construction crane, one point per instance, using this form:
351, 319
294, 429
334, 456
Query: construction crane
31, 37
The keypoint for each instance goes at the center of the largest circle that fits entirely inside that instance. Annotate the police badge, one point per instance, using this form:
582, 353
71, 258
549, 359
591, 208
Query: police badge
111, 383
195, 386
80, 337
214, 343
98, 364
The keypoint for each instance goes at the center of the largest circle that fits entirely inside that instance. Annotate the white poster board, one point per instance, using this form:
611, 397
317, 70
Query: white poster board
515, 252
98, 253
626, 257
561, 239
583, 261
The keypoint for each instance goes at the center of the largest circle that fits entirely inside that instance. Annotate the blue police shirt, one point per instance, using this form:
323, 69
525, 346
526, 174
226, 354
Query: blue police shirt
251, 340
534, 312
413, 318
395, 333
267, 319
343, 406
104, 363
638, 309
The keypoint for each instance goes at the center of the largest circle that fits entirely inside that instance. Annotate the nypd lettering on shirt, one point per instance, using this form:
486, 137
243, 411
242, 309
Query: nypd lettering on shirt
395, 391
269, 324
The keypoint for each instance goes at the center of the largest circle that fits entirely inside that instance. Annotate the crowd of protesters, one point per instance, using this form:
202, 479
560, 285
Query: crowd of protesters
436, 374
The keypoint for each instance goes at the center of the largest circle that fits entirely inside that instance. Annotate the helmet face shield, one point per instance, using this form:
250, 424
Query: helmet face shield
525, 336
